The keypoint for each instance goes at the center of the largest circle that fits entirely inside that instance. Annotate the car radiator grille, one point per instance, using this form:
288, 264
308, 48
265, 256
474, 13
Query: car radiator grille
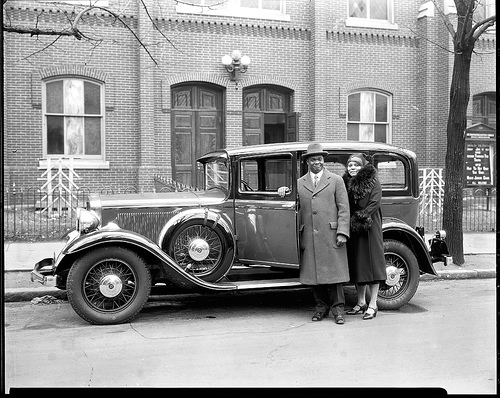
148, 224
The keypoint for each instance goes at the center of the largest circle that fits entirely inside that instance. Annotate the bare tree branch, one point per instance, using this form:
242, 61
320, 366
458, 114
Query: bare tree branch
445, 19
481, 27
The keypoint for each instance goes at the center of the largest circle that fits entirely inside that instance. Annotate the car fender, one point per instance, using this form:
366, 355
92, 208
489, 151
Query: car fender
112, 234
397, 230
217, 218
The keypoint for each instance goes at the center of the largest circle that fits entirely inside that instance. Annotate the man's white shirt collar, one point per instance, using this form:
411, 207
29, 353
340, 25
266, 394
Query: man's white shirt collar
318, 174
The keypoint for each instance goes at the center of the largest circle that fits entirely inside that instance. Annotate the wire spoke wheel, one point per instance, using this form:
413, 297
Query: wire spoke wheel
110, 285
397, 276
403, 276
198, 249
203, 248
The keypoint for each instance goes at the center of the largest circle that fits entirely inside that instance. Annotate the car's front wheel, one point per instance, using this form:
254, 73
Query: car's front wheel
109, 285
403, 276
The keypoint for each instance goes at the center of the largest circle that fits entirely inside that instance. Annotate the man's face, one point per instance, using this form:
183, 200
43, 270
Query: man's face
315, 163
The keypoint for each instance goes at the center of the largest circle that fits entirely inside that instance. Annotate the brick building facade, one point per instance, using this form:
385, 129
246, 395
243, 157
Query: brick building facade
319, 70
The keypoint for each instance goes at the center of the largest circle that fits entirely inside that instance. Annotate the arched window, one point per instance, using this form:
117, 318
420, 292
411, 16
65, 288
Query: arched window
73, 118
369, 116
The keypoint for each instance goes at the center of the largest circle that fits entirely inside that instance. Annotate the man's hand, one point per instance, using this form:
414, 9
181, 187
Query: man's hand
341, 239
282, 191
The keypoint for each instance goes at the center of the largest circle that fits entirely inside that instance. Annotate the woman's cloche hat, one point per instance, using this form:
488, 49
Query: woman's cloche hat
358, 158
314, 149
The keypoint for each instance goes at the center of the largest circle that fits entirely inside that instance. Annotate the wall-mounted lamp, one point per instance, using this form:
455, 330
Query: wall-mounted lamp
235, 62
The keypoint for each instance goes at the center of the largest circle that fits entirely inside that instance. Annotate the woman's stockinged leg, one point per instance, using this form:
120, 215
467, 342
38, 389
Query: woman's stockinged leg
361, 290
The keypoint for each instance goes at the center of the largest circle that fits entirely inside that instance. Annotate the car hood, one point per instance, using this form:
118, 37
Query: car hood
159, 200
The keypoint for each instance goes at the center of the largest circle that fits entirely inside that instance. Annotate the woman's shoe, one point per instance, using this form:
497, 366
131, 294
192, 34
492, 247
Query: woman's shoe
368, 315
357, 309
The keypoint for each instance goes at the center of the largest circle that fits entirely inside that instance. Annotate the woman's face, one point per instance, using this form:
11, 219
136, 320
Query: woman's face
353, 168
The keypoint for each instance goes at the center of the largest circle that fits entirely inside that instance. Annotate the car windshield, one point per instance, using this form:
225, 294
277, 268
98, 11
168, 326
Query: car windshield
217, 174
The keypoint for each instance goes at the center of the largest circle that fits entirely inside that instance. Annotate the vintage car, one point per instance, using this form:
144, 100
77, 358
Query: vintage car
237, 233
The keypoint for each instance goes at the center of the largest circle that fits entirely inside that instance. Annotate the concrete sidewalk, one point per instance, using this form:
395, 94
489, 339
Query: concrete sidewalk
20, 257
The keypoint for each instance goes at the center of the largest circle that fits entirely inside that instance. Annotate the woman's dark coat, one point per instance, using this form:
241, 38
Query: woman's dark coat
323, 213
365, 247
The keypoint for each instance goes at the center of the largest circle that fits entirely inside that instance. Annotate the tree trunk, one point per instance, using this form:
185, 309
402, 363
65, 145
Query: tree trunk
454, 166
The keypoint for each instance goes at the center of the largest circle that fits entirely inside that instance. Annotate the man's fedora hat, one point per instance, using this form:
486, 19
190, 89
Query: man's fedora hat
314, 149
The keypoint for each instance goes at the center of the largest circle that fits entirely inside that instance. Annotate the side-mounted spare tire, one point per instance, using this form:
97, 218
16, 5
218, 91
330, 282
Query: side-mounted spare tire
202, 247
403, 276
108, 285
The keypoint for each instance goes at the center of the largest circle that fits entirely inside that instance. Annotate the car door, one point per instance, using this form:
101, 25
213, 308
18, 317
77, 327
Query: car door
265, 223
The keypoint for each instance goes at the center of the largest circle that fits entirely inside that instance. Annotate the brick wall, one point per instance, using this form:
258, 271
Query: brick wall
315, 54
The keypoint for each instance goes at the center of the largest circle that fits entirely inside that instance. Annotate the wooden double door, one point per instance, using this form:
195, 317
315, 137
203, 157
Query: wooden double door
196, 129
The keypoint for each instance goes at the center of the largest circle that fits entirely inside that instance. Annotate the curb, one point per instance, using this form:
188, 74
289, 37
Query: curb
13, 295
460, 274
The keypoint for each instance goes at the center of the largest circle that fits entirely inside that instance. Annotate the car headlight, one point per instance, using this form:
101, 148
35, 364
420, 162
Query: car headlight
86, 220
440, 235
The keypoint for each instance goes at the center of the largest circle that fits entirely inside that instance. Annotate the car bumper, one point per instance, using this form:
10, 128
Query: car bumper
43, 272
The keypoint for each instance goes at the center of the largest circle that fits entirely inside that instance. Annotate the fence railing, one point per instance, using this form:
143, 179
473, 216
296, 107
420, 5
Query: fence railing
25, 220
479, 213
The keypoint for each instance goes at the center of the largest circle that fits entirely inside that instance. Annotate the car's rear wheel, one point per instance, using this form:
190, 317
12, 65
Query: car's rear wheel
109, 285
202, 248
403, 276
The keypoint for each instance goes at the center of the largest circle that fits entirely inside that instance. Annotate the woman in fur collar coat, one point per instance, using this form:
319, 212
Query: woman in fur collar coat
365, 247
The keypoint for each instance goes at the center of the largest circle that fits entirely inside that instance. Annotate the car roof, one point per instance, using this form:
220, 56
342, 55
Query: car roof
351, 146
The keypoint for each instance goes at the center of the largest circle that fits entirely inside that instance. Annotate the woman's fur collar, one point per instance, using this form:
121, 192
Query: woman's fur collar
362, 183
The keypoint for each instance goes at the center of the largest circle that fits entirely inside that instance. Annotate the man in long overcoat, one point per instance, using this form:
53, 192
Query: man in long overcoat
323, 230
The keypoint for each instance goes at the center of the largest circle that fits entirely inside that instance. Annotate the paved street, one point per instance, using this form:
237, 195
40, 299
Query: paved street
445, 337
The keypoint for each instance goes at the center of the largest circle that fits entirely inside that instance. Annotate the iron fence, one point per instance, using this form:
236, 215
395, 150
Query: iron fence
479, 213
28, 214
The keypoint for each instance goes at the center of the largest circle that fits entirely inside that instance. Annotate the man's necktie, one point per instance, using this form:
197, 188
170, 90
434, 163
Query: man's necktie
315, 180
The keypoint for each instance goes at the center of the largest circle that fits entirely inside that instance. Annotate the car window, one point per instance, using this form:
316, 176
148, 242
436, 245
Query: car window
336, 164
265, 174
392, 172
217, 174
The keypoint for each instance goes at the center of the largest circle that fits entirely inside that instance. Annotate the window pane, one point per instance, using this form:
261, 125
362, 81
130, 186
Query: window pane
92, 98
276, 102
391, 174
381, 110
380, 133
252, 101
367, 107
357, 9
74, 136
54, 94
366, 132
353, 103
271, 5
73, 97
92, 136
207, 99
55, 135
378, 9
353, 132
182, 99
249, 3
249, 174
